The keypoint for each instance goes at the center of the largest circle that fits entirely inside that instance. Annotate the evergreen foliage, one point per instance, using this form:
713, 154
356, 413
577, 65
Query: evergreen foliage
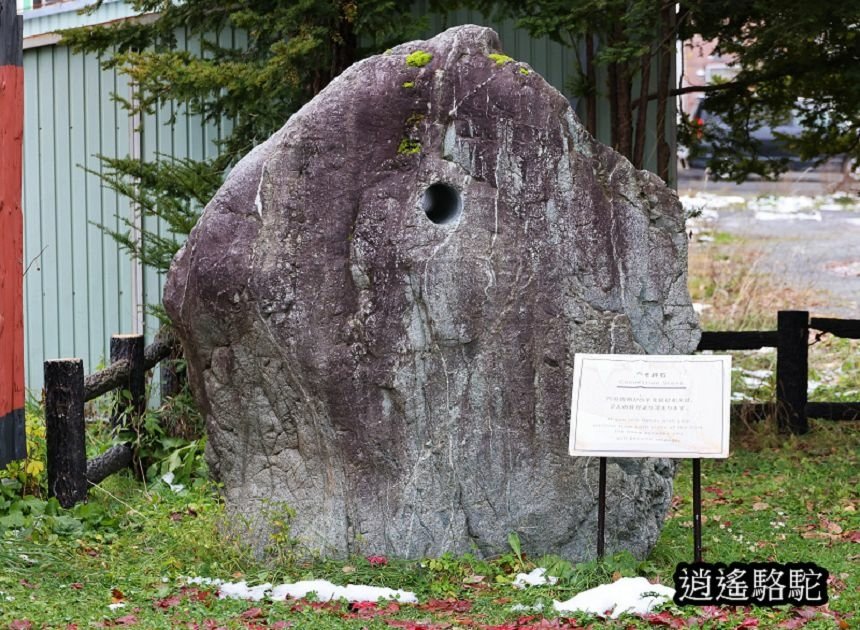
293, 50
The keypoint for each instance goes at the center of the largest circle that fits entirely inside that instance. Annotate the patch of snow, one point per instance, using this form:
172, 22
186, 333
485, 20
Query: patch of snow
168, 479
203, 581
627, 595
538, 577
788, 207
739, 397
780, 216
811, 386
322, 589
241, 590
523, 608
709, 203
116, 605
325, 591
755, 378
700, 308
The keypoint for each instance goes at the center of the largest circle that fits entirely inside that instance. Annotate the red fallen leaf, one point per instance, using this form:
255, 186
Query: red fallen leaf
793, 623
20, 624
362, 606
748, 622
252, 613
714, 490
852, 536
27, 583
71, 626
377, 561
447, 605
168, 602
76, 586
127, 620
176, 516
116, 595
211, 624
666, 619
280, 625
714, 613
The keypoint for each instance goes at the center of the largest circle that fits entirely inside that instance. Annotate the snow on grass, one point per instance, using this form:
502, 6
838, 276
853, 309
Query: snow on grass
323, 590
627, 595
538, 577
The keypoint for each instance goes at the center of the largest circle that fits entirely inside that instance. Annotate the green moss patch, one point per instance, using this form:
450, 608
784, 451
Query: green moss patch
409, 85
418, 59
500, 59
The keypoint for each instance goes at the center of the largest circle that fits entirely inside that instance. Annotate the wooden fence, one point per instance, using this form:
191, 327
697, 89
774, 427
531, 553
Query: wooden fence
66, 392
791, 340
67, 389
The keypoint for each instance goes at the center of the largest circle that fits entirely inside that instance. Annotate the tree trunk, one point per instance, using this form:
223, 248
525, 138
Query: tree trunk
664, 77
591, 81
642, 112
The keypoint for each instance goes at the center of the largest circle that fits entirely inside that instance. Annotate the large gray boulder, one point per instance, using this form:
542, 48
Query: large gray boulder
381, 305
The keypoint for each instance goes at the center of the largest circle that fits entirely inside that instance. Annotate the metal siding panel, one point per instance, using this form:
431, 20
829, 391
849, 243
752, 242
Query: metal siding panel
34, 339
63, 164
122, 130
109, 208
98, 343
48, 205
78, 207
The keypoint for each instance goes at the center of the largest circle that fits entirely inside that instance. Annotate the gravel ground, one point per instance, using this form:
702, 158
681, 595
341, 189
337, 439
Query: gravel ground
810, 237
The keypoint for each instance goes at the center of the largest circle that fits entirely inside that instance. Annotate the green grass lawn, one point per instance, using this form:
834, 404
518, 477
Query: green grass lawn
775, 499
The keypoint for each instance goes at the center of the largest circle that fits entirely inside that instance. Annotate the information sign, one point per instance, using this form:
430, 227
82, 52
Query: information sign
638, 405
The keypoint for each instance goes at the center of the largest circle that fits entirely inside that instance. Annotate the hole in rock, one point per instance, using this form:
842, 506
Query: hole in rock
441, 203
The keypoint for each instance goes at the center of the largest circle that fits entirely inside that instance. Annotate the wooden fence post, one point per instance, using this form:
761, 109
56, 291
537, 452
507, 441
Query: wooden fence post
131, 348
792, 370
65, 432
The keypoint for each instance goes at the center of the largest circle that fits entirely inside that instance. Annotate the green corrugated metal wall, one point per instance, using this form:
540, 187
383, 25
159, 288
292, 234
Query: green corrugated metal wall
79, 288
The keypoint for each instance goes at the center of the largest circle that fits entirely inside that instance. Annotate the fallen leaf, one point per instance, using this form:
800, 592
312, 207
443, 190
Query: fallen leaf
666, 619
758, 506
128, 620
748, 622
852, 536
116, 595
20, 624
27, 583
168, 602
447, 605
252, 613
76, 586
377, 561
833, 528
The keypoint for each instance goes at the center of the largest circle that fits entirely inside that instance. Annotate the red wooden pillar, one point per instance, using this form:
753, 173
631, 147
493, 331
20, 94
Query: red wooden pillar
12, 440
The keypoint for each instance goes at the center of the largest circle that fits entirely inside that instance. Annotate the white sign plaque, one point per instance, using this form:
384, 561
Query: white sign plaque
645, 405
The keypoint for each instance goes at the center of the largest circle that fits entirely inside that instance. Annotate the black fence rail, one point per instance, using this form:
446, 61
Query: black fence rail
66, 392
791, 340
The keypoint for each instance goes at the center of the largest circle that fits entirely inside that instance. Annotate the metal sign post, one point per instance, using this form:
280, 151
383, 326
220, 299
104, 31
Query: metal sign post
650, 406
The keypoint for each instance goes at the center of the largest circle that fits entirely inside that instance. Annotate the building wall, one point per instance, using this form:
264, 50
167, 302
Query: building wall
79, 288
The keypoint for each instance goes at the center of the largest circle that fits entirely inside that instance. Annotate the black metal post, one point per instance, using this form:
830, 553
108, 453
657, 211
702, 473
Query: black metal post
601, 508
697, 510
792, 370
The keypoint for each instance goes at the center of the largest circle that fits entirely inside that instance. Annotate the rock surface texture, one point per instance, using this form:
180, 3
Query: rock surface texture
381, 305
